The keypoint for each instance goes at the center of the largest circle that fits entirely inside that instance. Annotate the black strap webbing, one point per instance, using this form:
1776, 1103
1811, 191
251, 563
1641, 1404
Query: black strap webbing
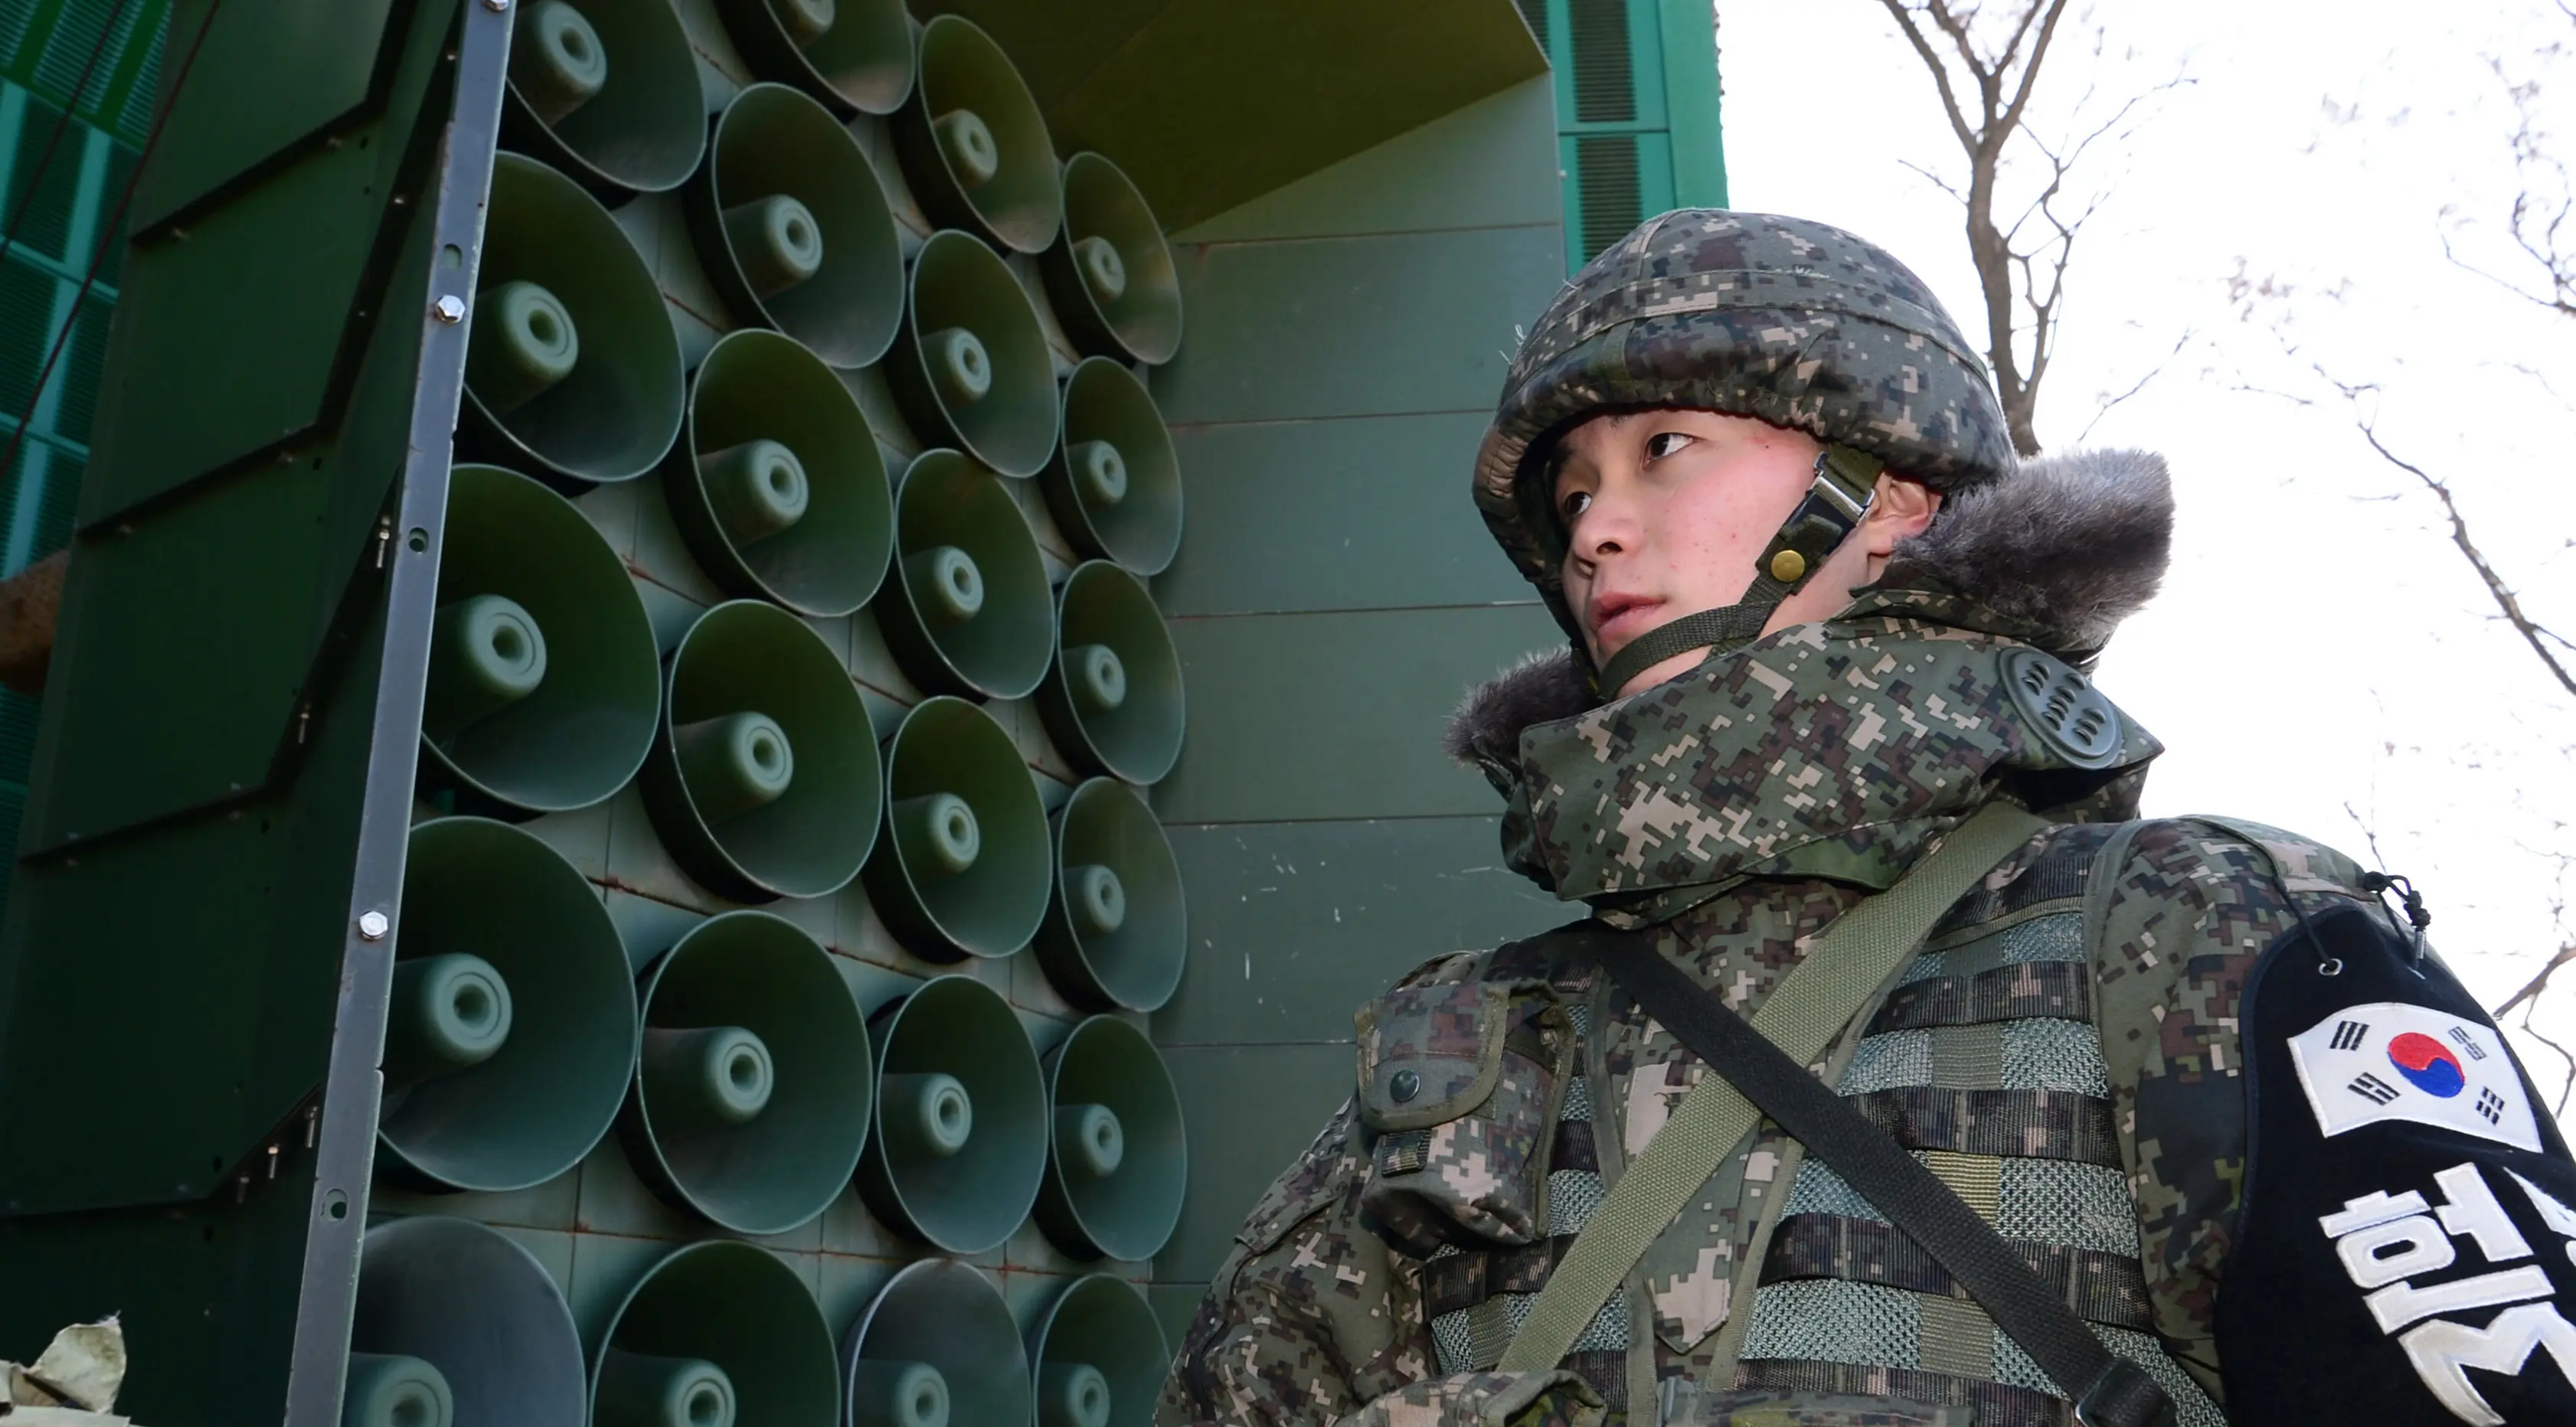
2110, 1391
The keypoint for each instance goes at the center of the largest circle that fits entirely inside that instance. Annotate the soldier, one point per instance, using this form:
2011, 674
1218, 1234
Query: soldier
2193, 1126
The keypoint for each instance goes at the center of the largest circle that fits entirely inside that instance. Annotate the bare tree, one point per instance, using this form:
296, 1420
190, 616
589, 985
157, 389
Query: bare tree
1985, 60
2536, 262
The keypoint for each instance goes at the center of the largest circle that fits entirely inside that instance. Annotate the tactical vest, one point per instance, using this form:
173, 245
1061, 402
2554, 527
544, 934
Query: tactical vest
1985, 1061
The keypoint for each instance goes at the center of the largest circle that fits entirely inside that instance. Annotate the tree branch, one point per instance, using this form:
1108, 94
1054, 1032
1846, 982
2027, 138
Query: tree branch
2532, 632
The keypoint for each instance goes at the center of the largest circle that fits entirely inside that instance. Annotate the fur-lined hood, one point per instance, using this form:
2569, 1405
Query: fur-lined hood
2055, 554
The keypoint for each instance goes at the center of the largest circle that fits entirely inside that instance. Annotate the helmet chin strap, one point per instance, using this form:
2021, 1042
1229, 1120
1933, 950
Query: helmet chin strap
1845, 483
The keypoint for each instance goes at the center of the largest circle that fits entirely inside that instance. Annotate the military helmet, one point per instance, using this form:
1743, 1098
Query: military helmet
1790, 321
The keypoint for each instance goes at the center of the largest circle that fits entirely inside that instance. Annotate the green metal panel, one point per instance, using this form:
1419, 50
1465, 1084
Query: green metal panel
1335, 715
1354, 326
234, 117
1215, 102
1293, 925
1356, 513
65, 158
97, 60
1692, 103
1240, 1139
1484, 166
1637, 106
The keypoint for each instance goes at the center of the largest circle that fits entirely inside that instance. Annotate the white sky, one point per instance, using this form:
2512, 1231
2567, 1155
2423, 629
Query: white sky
2319, 641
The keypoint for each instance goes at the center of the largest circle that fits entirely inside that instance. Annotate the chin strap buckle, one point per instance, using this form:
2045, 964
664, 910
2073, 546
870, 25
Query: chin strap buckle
1838, 499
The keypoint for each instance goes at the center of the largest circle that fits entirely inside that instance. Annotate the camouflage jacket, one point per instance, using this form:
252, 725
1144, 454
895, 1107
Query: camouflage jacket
1738, 810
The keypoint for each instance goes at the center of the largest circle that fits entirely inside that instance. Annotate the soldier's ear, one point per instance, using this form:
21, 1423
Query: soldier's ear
1900, 510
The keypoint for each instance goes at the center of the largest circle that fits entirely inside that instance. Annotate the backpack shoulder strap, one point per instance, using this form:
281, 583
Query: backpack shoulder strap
1842, 969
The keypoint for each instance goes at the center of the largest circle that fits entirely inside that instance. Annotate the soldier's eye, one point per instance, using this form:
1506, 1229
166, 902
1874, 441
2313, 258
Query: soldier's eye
1572, 504
1665, 443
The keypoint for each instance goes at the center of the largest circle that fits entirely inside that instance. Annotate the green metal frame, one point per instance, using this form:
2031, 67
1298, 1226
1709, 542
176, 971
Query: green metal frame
1637, 112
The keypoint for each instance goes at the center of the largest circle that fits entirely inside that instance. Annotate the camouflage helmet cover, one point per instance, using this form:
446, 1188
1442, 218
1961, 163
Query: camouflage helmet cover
1793, 322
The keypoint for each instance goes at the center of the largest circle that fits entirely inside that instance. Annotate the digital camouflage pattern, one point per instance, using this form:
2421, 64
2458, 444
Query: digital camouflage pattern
1795, 322
1739, 810
1748, 768
1460, 1084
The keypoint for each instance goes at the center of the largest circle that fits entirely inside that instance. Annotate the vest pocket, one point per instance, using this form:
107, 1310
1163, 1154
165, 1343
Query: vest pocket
1458, 1089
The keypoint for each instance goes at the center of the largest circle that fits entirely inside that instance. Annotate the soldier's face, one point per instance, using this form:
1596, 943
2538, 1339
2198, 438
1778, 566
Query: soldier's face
1665, 513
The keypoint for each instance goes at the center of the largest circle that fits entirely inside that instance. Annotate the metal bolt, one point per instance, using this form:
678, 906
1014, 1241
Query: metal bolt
1404, 1086
374, 925
449, 309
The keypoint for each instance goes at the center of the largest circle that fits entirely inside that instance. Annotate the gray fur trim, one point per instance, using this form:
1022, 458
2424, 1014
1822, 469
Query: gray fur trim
2065, 546
2068, 545
1541, 688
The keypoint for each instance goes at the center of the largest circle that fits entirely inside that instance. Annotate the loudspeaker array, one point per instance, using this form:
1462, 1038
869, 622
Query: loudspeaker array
783, 902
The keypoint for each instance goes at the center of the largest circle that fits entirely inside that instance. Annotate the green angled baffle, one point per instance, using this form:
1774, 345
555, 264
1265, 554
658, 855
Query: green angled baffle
1114, 483
1112, 700
962, 868
777, 483
751, 1098
1116, 933
512, 1026
573, 370
719, 1334
544, 685
763, 781
607, 91
477, 1308
971, 367
791, 224
1098, 1356
973, 142
960, 1138
851, 54
937, 1346
967, 610
1116, 1164
1109, 274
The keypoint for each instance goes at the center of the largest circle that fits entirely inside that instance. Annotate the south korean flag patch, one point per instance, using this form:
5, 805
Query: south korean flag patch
2389, 1060
2404, 1251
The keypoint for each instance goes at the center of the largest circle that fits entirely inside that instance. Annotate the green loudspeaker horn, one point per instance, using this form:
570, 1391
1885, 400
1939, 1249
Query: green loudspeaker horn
854, 55
1098, 1356
967, 609
1116, 1166
793, 227
719, 1334
960, 1139
763, 781
937, 1346
394, 1390
971, 367
544, 684
1112, 702
777, 484
573, 369
475, 1309
1115, 933
1109, 274
1114, 483
751, 1098
512, 1027
607, 91
962, 868
974, 144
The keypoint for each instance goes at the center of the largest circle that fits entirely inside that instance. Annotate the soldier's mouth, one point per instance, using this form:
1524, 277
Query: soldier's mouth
1616, 619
